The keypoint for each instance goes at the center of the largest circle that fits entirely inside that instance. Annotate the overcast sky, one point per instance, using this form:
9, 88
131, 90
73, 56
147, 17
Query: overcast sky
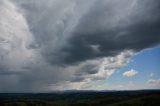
48, 45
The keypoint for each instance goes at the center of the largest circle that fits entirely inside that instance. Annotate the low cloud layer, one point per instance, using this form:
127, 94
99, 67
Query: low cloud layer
57, 44
154, 83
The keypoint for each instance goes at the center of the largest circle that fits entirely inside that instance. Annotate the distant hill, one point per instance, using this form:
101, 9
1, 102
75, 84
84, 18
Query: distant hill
83, 98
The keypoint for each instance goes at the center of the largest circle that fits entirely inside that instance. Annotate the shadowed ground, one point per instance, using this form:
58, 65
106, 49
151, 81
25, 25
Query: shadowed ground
83, 98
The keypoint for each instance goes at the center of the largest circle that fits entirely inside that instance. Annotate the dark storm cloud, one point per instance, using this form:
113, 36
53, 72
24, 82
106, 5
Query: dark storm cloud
87, 69
52, 24
9, 73
64, 41
114, 29
66, 37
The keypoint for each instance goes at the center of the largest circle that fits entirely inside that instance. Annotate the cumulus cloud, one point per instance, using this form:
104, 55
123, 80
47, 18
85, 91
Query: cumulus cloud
53, 44
130, 73
92, 70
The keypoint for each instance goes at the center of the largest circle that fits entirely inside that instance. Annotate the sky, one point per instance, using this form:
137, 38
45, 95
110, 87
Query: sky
56, 45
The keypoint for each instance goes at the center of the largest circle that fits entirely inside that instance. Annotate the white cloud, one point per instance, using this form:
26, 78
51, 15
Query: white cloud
14, 38
151, 74
110, 64
80, 74
154, 82
130, 73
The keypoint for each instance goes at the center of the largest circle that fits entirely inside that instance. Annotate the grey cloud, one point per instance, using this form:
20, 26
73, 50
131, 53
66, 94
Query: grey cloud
115, 26
9, 73
51, 23
71, 42
67, 31
87, 69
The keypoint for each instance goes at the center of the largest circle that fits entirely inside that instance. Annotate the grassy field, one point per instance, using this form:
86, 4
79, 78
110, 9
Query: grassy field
83, 98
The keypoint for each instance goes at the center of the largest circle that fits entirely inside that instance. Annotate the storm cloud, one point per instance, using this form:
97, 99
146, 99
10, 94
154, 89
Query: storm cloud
67, 44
